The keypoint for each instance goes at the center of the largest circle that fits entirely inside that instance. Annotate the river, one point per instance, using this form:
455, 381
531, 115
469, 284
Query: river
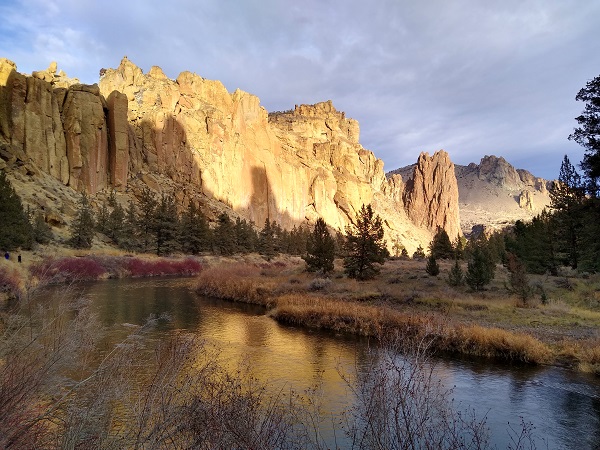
563, 406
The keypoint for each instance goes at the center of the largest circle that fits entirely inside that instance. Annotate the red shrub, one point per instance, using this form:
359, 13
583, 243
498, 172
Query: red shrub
68, 269
150, 268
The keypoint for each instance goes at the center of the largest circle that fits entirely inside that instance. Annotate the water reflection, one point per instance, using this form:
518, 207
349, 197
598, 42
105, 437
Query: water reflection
563, 406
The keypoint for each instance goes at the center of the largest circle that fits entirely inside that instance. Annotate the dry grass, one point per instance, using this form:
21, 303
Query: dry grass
404, 299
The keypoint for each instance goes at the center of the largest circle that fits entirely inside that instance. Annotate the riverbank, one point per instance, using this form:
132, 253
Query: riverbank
59, 265
403, 300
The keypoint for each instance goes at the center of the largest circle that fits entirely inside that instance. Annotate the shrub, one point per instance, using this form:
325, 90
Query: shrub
68, 269
318, 284
9, 282
161, 267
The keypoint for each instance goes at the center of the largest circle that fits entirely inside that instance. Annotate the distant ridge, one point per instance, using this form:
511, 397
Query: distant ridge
493, 193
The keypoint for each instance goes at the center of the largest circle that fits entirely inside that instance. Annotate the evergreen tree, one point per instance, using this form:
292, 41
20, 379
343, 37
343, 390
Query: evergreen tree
41, 231
224, 236
404, 253
533, 243
364, 246
320, 249
245, 236
15, 228
479, 269
566, 198
519, 282
102, 219
432, 267
459, 247
194, 231
146, 220
340, 243
456, 277
588, 133
116, 224
419, 253
266, 240
166, 225
82, 228
441, 247
131, 233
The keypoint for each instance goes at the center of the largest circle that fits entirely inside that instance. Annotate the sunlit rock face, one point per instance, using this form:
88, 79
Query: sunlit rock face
55, 125
191, 136
492, 193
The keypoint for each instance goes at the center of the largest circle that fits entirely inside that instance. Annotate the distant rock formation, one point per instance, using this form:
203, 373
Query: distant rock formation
190, 136
494, 194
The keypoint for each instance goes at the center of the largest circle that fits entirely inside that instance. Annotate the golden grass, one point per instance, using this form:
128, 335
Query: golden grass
404, 301
238, 282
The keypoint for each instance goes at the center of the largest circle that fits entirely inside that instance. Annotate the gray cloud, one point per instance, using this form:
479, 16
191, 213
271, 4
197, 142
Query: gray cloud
471, 77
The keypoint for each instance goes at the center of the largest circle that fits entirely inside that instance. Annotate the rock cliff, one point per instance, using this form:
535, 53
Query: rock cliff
495, 194
194, 138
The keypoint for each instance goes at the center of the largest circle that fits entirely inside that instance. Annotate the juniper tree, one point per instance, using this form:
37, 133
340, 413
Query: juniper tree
364, 246
432, 267
15, 228
320, 249
82, 227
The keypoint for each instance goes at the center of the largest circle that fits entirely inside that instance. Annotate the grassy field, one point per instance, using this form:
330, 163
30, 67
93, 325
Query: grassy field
559, 325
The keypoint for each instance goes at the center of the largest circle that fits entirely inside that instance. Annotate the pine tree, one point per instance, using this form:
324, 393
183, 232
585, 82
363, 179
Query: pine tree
245, 236
194, 231
102, 219
519, 282
441, 247
432, 267
419, 253
82, 228
456, 276
131, 229
479, 269
146, 220
364, 246
567, 196
42, 233
116, 224
588, 133
224, 236
15, 228
166, 225
320, 249
266, 241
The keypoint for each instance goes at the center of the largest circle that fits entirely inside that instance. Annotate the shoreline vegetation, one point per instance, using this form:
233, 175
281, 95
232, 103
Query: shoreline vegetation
403, 301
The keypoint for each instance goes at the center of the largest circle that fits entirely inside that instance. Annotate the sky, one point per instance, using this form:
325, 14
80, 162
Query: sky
472, 77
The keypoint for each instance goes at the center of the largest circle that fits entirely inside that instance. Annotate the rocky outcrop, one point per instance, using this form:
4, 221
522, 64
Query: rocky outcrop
51, 124
493, 193
192, 137
432, 197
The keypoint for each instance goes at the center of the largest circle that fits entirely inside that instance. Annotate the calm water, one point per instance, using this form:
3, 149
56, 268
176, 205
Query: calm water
564, 407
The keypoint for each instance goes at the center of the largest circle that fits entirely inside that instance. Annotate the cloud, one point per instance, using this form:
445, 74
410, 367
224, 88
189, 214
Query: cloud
472, 77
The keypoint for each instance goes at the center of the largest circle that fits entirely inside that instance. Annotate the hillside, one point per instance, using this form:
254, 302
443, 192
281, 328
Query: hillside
493, 193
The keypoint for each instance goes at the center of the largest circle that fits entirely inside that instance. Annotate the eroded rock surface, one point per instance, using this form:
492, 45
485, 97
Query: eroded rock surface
191, 137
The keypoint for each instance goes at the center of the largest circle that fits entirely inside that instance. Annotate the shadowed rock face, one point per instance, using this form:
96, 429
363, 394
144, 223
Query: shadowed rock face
290, 167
